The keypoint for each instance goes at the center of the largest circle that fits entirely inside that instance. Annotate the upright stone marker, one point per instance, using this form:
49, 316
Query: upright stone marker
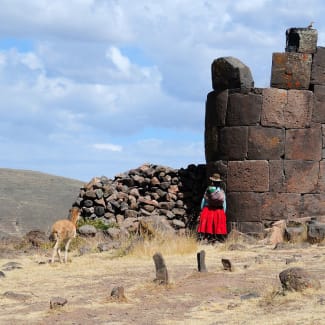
201, 261
161, 269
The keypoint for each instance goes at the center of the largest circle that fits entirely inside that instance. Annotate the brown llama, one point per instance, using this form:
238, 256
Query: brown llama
63, 231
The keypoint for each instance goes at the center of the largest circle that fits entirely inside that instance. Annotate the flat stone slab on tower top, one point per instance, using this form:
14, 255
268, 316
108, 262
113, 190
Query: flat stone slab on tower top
302, 40
231, 73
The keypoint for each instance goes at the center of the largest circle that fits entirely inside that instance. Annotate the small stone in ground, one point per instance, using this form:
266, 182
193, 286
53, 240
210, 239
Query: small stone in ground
226, 264
56, 302
11, 266
16, 296
117, 293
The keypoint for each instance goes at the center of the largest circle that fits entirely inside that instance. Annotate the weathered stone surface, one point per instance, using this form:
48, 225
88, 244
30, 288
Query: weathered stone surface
248, 176
233, 143
87, 230
291, 70
118, 294
314, 205
277, 178
316, 232
17, 295
201, 261
250, 227
11, 266
318, 67
298, 111
304, 144
211, 143
161, 269
296, 234
321, 177
276, 206
216, 108
302, 40
298, 279
301, 176
265, 143
231, 73
318, 114
274, 102
244, 109
57, 302
226, 264
244, 206
215, 116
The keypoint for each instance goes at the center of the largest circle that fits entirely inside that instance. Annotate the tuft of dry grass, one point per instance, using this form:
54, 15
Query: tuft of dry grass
168, 245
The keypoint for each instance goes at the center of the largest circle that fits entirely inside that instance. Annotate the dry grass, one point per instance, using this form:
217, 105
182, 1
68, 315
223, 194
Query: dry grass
169, 245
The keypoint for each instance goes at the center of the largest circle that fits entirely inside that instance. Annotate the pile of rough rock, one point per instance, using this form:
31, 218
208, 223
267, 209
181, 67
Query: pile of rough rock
170, 195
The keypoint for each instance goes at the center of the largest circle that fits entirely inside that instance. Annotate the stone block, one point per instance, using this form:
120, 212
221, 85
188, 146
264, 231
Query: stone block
314, 205
250, 227
321, 177
298, 111
274, 103
211, 143
216, 109
318, 114
265, 143
301, 176
244, 109
248, 176
318, 67
291, 70
233, 143
231, 73
244, 206
302, 40
277, 206
304, 144
277, 179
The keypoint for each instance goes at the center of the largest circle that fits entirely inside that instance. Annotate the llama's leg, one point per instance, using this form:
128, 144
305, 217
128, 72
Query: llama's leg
66, 251
55, 250
59, 253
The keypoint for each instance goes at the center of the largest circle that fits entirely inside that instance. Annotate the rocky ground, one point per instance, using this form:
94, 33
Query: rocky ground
250, 293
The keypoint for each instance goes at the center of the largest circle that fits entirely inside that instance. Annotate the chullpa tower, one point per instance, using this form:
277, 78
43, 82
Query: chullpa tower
269, 143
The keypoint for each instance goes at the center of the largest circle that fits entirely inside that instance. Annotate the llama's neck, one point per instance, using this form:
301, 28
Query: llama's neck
75, 216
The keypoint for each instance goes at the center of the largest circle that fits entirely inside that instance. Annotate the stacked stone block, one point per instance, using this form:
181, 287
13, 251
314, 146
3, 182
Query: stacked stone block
268, 144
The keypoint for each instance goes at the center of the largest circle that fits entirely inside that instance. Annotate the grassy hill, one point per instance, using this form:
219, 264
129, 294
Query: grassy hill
33, 200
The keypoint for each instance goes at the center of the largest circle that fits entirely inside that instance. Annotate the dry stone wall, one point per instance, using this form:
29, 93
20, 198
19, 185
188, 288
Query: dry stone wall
170, 196
268, 144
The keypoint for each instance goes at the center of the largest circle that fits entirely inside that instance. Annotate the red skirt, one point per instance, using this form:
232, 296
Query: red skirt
212, 221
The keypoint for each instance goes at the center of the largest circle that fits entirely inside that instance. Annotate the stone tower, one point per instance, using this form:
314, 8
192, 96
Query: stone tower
269, 144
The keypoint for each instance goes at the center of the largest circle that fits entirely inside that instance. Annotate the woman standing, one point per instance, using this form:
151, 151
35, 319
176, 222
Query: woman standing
213, 221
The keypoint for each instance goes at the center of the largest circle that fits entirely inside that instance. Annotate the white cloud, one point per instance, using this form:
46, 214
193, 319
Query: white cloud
121, 62
107, 147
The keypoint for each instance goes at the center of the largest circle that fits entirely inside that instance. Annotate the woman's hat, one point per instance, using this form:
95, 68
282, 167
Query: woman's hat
215, 178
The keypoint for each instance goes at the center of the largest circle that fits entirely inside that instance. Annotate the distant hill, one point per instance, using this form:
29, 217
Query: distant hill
32, 200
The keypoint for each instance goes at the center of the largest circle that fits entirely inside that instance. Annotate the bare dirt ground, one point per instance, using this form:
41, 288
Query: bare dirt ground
215, 297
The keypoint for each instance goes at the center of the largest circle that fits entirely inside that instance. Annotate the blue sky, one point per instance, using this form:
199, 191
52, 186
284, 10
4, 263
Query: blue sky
98, 87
